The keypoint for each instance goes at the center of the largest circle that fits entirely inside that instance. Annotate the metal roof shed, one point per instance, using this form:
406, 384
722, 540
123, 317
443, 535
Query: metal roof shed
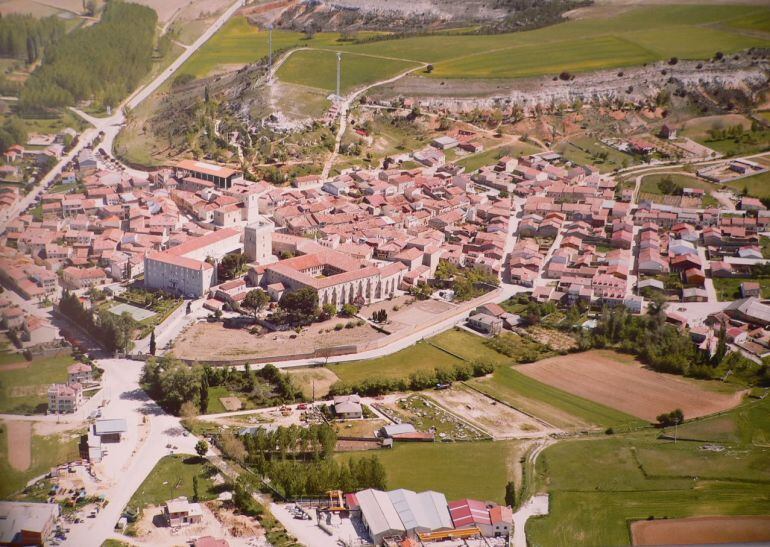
379, 515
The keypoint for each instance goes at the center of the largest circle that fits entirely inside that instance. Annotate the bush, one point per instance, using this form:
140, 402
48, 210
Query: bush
339, 326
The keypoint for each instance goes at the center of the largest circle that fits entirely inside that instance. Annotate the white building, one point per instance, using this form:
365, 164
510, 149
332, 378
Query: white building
64, 398
187, 269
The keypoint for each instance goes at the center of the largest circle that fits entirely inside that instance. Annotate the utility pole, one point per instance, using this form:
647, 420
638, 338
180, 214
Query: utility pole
339, 68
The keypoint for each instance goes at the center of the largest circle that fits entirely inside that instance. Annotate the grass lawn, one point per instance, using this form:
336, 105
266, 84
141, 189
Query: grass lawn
764, 243
47, 452
173, 477
357, 70
650, 183
598, 486
728, 289
585, 150
401, 364
470, 469
469, 346
555, 406
757, 185
24, 390
490, 157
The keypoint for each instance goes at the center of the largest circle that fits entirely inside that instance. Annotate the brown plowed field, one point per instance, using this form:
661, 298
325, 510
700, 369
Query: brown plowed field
622, 383
701, 530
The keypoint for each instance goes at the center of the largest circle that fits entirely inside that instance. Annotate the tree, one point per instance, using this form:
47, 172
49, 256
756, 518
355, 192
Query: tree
349, 310
196, 495
201, 447
255, 300
675, 417
300, 306
204, 394
232, 265
152, 343
429, 69
510, 494
188, 410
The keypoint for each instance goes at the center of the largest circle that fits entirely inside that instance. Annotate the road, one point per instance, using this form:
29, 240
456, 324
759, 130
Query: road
343, 112
129, 462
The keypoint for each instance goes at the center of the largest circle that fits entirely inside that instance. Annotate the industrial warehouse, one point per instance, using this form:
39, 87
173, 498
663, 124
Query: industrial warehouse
403, 518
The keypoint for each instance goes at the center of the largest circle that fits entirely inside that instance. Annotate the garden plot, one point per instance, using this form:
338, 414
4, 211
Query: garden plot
499, 420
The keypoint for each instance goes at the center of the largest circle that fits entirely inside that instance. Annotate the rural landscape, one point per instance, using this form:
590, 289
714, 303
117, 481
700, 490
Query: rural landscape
364, 273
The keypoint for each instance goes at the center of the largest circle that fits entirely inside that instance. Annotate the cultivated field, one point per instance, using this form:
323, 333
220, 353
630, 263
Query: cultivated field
554, 406
623, 384
635, 36
357, 70
24, 384
701, 530
20, 445
499, 420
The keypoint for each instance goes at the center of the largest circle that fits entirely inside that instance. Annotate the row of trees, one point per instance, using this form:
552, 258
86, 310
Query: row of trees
314, 442
296, 479
23, 36
114, 332
419, 380
104, 61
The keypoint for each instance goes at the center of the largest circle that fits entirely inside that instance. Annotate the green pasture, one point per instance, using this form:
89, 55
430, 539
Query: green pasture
356, 70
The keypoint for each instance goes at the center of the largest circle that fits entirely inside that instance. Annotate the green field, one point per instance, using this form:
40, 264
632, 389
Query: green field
47, 452
729, 288
757, 185
459, 470
639, 35
401, 364
357, 70
469, 346
585, 151
597, 486
173, 477
25, 390
490, 157
556, 407
650, 183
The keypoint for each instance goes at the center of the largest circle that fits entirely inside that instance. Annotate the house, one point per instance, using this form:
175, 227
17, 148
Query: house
27, 523
501, 517
64, 398
694, 294
750, 288
180, 512
110, 430
485, 323
444, 143
348, 407
79, 373
750, 310
210, 541
667, 132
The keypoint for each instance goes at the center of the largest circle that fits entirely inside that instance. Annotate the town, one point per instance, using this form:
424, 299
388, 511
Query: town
422, 317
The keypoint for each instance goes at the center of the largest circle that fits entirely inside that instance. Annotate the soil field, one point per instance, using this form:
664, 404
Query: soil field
313, 382
701, 530
20, 445
497, 419
624, 384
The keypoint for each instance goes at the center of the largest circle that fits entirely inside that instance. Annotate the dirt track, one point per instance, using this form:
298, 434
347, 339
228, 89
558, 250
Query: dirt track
623, 384
19, 444
701, 530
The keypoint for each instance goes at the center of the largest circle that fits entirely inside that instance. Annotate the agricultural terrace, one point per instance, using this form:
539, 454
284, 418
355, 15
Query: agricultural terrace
621, 382
468, 469
636, 36
597, 486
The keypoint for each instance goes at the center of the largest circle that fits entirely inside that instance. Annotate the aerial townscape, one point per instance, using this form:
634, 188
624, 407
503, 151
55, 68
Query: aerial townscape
451, 273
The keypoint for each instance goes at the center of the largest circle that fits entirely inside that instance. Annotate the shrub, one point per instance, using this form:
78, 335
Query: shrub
339, 326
